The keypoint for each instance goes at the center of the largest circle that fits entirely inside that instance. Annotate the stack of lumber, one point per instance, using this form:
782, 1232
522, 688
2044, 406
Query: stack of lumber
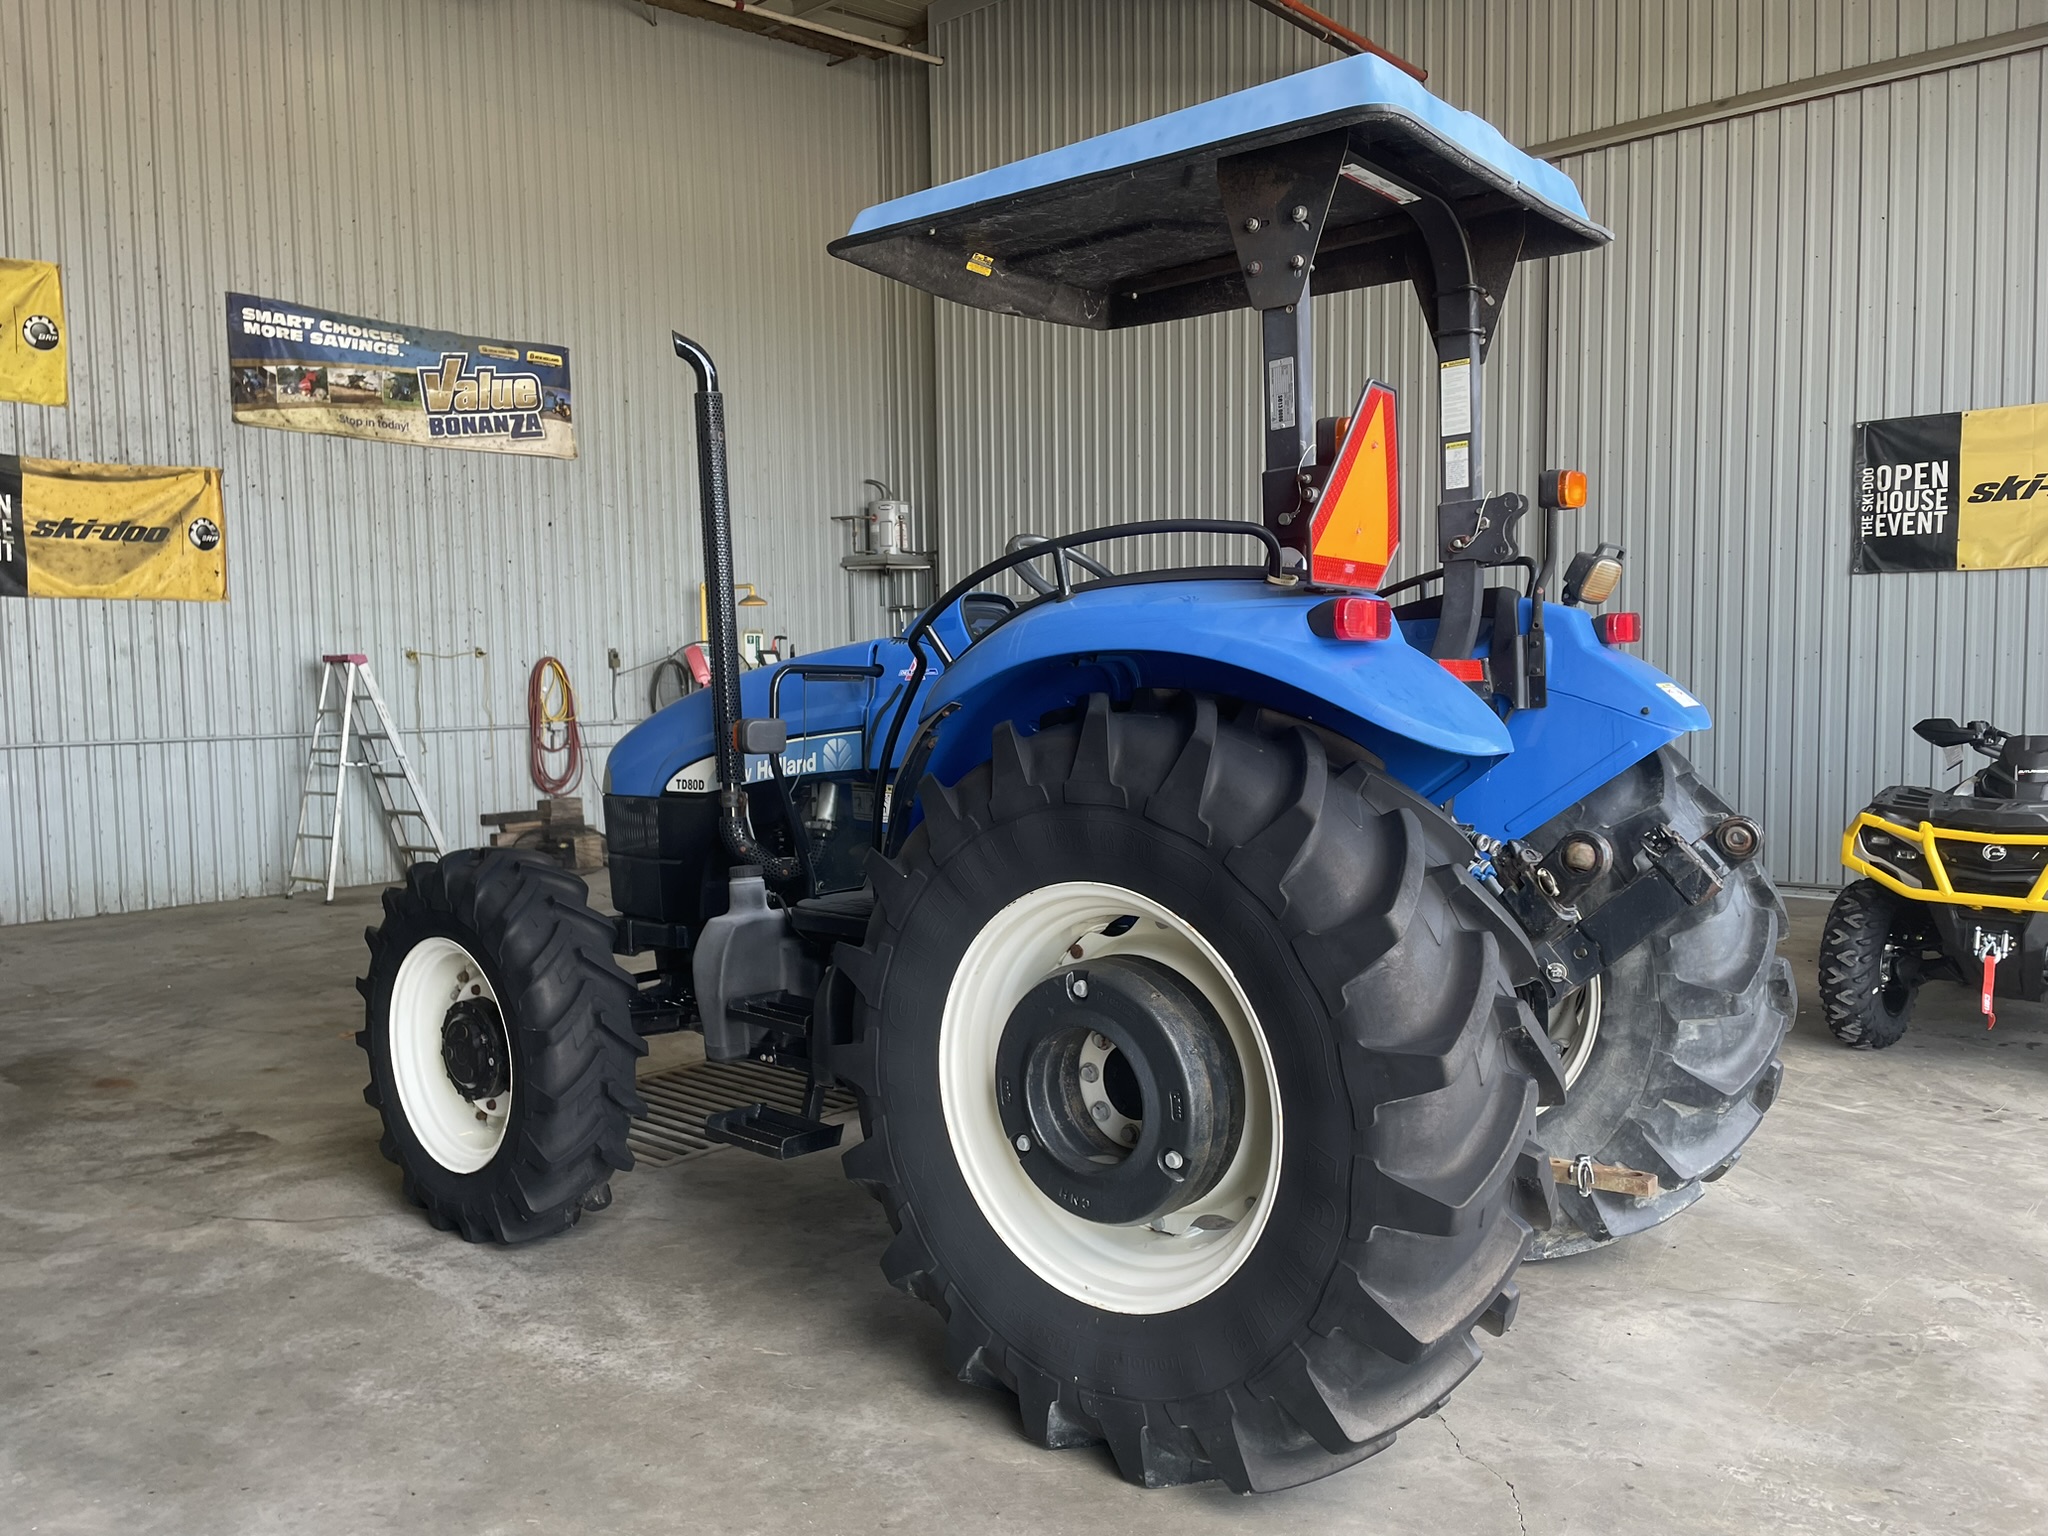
555, 826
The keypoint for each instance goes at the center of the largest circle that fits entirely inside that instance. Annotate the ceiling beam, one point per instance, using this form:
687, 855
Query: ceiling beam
800, 30
1297, 13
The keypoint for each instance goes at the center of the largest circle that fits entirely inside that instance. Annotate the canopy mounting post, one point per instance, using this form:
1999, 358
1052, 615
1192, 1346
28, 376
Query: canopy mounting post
1277, 201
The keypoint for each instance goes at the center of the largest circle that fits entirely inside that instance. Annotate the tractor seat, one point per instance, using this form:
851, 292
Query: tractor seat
837, 916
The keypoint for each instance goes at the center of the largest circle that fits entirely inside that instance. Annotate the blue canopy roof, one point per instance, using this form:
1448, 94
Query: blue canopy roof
1127, 227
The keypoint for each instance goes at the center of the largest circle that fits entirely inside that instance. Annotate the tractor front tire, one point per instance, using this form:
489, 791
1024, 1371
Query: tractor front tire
1864, 996
1349, 1121
501, 1044
1685, 1059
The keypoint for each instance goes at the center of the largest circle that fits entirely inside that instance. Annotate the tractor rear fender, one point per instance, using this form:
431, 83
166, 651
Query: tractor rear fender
1607, 711
1234, 638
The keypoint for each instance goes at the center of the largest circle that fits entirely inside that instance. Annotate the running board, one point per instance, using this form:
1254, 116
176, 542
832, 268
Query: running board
772, 1132
681, 1099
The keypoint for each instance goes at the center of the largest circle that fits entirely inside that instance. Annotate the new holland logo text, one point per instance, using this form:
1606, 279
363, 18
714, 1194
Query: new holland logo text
482, 403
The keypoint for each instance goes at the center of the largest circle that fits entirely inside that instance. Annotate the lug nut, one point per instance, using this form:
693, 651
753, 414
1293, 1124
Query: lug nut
1102, 1042
1130, 1135
1172, 1159
1099, 1110
1023, 1144
1090, 1072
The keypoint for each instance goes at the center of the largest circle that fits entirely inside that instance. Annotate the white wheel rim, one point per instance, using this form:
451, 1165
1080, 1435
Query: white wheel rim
1142, 1269
1574, 1027
455, 1133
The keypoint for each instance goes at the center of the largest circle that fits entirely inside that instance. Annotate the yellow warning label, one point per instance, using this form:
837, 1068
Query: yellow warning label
980, 265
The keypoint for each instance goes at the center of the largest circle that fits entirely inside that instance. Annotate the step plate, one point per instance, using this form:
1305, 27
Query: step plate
679, 1098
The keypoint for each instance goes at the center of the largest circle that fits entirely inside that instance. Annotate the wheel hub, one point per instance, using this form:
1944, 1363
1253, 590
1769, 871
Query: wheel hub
474, 1049
1120, 1090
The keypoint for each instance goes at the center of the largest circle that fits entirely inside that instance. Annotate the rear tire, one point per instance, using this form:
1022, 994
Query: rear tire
512, 1129
1327, 910
1865, 1000
1685, 1061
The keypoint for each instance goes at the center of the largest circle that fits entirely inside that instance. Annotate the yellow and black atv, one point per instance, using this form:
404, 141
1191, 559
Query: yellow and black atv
1955, 887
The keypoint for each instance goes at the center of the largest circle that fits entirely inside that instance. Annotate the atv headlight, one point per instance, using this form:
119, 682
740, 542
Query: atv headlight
1891, 855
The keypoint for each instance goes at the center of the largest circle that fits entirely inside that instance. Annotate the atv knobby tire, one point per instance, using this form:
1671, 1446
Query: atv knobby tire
1864, 1001
1686, 1059
547, 964
1383, 980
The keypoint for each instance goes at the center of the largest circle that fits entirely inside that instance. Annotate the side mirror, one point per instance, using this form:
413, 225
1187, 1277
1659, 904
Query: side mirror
1944, 732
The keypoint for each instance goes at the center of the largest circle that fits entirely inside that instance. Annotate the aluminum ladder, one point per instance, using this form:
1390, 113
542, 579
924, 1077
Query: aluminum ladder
352, 715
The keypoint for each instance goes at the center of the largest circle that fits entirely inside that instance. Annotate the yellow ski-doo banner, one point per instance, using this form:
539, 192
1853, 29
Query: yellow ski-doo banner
31, 333
111, 530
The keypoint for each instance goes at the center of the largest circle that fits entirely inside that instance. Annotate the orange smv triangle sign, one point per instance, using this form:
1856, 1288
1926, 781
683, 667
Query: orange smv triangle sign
1357, 523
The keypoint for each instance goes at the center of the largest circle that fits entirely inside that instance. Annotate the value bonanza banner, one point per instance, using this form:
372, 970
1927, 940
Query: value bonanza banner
1964, 491
312, 370
111, 530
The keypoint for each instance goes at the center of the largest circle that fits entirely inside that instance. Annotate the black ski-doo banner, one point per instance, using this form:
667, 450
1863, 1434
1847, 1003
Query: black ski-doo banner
13, 537
1963, 492
1906, 473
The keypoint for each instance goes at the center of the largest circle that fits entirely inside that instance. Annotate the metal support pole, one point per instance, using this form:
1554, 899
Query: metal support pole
1288, 375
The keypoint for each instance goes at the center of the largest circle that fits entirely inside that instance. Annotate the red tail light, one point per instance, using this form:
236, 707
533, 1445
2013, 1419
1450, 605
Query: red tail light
1619, 628
1352, 618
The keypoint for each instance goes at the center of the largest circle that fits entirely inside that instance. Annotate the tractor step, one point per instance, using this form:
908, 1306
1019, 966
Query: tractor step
680, 1100
772, 1132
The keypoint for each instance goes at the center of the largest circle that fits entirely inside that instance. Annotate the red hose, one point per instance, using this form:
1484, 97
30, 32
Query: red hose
544, 720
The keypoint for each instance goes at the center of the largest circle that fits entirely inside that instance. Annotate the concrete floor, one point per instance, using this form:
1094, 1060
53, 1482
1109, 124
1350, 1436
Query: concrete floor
217, 1317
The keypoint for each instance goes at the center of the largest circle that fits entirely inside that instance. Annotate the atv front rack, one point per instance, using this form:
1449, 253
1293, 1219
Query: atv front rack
1926, 839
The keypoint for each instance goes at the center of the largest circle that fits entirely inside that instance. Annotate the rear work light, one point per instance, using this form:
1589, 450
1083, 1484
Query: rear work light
1619, 628
1352, 618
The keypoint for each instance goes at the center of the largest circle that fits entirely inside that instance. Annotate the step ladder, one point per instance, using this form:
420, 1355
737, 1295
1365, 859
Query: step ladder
352, 718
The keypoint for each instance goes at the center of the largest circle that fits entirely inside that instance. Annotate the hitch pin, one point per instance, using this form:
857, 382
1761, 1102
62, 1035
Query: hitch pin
1991, 948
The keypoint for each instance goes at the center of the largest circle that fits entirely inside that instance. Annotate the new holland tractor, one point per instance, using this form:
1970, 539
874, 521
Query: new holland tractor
1238, 974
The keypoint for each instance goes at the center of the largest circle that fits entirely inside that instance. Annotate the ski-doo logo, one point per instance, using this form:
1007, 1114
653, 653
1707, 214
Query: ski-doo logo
123, 532
480, 403
2011, 488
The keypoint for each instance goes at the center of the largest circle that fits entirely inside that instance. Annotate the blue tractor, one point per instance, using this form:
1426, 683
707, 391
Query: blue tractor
1239, 974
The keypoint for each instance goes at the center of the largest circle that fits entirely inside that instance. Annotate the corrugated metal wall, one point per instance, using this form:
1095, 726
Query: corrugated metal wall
1774, 278
553, 170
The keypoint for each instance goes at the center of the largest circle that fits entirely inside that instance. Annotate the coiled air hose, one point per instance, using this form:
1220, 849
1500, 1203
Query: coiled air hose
551, 728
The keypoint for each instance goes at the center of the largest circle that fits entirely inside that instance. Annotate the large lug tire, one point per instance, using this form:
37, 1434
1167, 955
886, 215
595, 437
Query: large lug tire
1865, 994
1380, 1180
501, 1044
1685, 1059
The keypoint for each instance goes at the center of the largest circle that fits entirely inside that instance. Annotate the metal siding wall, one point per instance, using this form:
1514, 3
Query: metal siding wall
547, 169
1773, 279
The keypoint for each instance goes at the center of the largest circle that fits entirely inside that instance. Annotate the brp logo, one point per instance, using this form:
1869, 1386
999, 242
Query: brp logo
40, 332
1994, 853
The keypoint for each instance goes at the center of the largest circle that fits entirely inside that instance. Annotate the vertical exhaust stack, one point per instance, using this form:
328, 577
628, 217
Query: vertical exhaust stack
724, 640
